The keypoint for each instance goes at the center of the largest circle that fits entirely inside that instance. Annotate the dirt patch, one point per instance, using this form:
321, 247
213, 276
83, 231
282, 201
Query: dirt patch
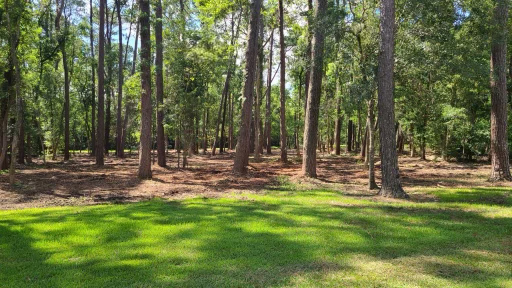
80, 182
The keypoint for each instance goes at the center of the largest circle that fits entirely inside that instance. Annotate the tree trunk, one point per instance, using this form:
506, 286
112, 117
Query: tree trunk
108, 115
337, 136
243, 144
145, 97
223, 123
350, 137
363, 142
205, 136
308, 56
219, 115
21, 140
129, 36
259, 96
315, 91
62, 46
391, 186
411, 138
14, 36
134, 61
282, 91
354, 136
160, 137
268, 112
196, 135
109, 90
371, 146
119, 121
423, 147
5, 117
225, 91
231, 121
500, 166
93, 83
127, 103
100, 133
28, 150
366, 143
66, 101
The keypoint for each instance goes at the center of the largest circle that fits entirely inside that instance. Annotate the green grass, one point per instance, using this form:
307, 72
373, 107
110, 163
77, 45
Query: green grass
281, 238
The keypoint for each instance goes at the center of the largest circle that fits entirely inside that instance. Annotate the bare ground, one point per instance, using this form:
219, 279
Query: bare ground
80, 182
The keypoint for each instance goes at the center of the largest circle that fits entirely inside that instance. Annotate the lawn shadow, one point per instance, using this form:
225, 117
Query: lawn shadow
480, 195
255, 243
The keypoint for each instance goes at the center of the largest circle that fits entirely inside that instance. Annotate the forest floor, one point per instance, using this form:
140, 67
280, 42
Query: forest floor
206, 228
80, 182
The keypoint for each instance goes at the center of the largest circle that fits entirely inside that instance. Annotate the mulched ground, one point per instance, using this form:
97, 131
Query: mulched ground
80, 182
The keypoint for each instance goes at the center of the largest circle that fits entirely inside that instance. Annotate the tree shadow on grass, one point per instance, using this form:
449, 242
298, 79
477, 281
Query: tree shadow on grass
486, 196
219, 243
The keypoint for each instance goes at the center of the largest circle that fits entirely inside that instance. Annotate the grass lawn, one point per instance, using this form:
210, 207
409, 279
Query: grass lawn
280, 238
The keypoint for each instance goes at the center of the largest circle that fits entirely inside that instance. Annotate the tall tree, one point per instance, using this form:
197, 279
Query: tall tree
62, 46
243, 143
282, 89
93, 81
308, 53
337, 129
14, 37
145, 96
225, 91
100, 133
109, 91
315, 91
500, 165
160, 137
370, 122
128, 104
391, 186
268, 115
119, 123
259, 95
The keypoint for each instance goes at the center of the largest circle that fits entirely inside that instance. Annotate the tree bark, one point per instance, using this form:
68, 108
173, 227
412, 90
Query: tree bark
223, 122
205, 136
93, 82
160, 137
308, 55
391, 186
371, 146
411, 140
337, 136
28, 150
21, 140
268, 112
145, 97
242, 149
282, 91
134, 61
363, 142
100, 133
500, 166
315, 91
119, 121
62, 46
14, 35
231, 121
350, 137
5, 117
109, 90
259, 96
